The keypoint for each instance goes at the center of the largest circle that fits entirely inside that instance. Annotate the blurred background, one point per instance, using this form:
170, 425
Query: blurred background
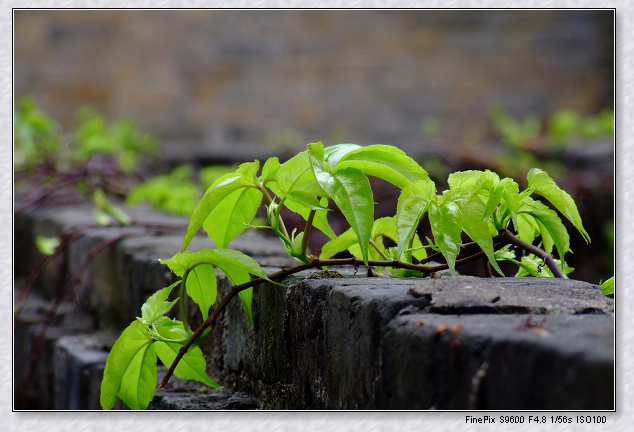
456, 89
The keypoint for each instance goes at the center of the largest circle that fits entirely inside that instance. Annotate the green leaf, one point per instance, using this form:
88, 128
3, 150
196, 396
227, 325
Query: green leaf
236, 265
101, 217
386, 162
505, 253
412, 205
139, 381
249, 170
608, 286
214, 196
130, 371
171, 329
320, 220
294, 171
101, 200
269, 170
247, 297
307, 200
339, 244
495, 195
192, 365
333, 154
510, 195
321, 169
546, 223
157, 306
527, 229
467, 180
228, 260
202, 287
353, 195
231, 216
386, 227
479, 232
46, 245
446, 226
539, 182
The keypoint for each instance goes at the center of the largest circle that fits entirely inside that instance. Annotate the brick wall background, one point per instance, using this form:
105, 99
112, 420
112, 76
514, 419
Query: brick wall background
239, 79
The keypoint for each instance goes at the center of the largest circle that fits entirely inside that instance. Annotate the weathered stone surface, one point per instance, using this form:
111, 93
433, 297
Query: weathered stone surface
342, 344
78, 363
498, 362
470, 295
193, 401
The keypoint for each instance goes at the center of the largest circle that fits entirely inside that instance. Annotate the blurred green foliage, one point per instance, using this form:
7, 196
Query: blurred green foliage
122, 139
567, 126
38, 138
175, 192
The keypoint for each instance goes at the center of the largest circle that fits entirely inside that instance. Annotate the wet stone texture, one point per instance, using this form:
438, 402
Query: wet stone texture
450, 343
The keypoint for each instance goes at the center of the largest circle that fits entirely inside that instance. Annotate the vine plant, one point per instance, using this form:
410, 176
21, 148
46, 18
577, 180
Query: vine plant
502, 223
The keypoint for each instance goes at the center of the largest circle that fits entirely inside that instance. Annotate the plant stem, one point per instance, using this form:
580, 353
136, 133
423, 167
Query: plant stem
269, 200
182, 303
309, 225
509, 238
378, 249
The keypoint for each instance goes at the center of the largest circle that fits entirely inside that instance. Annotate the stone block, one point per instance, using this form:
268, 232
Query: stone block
78, 364
498, 362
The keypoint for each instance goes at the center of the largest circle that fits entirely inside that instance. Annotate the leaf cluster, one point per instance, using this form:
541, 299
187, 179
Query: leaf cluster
478, 204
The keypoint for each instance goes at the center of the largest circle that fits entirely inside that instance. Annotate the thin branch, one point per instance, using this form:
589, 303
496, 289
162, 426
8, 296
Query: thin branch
509, 238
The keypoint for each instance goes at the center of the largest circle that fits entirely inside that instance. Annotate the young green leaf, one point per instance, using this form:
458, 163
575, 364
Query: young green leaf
294, 171
495, 195
46, 245
101, 200
446, 226
170, 329
547, 224
467, 180
269, 170
510, 195
130, 371
226, 260
539, 182
479, 232
608, 286
139, 381
339, 244
249, 170
412, 205
321, 168
232, 215
386, 162
157, 306
386, 227
214, 196
192, 365
353, 195
237, 266
202, 287
320, 220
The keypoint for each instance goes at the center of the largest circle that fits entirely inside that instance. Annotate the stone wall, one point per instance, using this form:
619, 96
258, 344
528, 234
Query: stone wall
234, 82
